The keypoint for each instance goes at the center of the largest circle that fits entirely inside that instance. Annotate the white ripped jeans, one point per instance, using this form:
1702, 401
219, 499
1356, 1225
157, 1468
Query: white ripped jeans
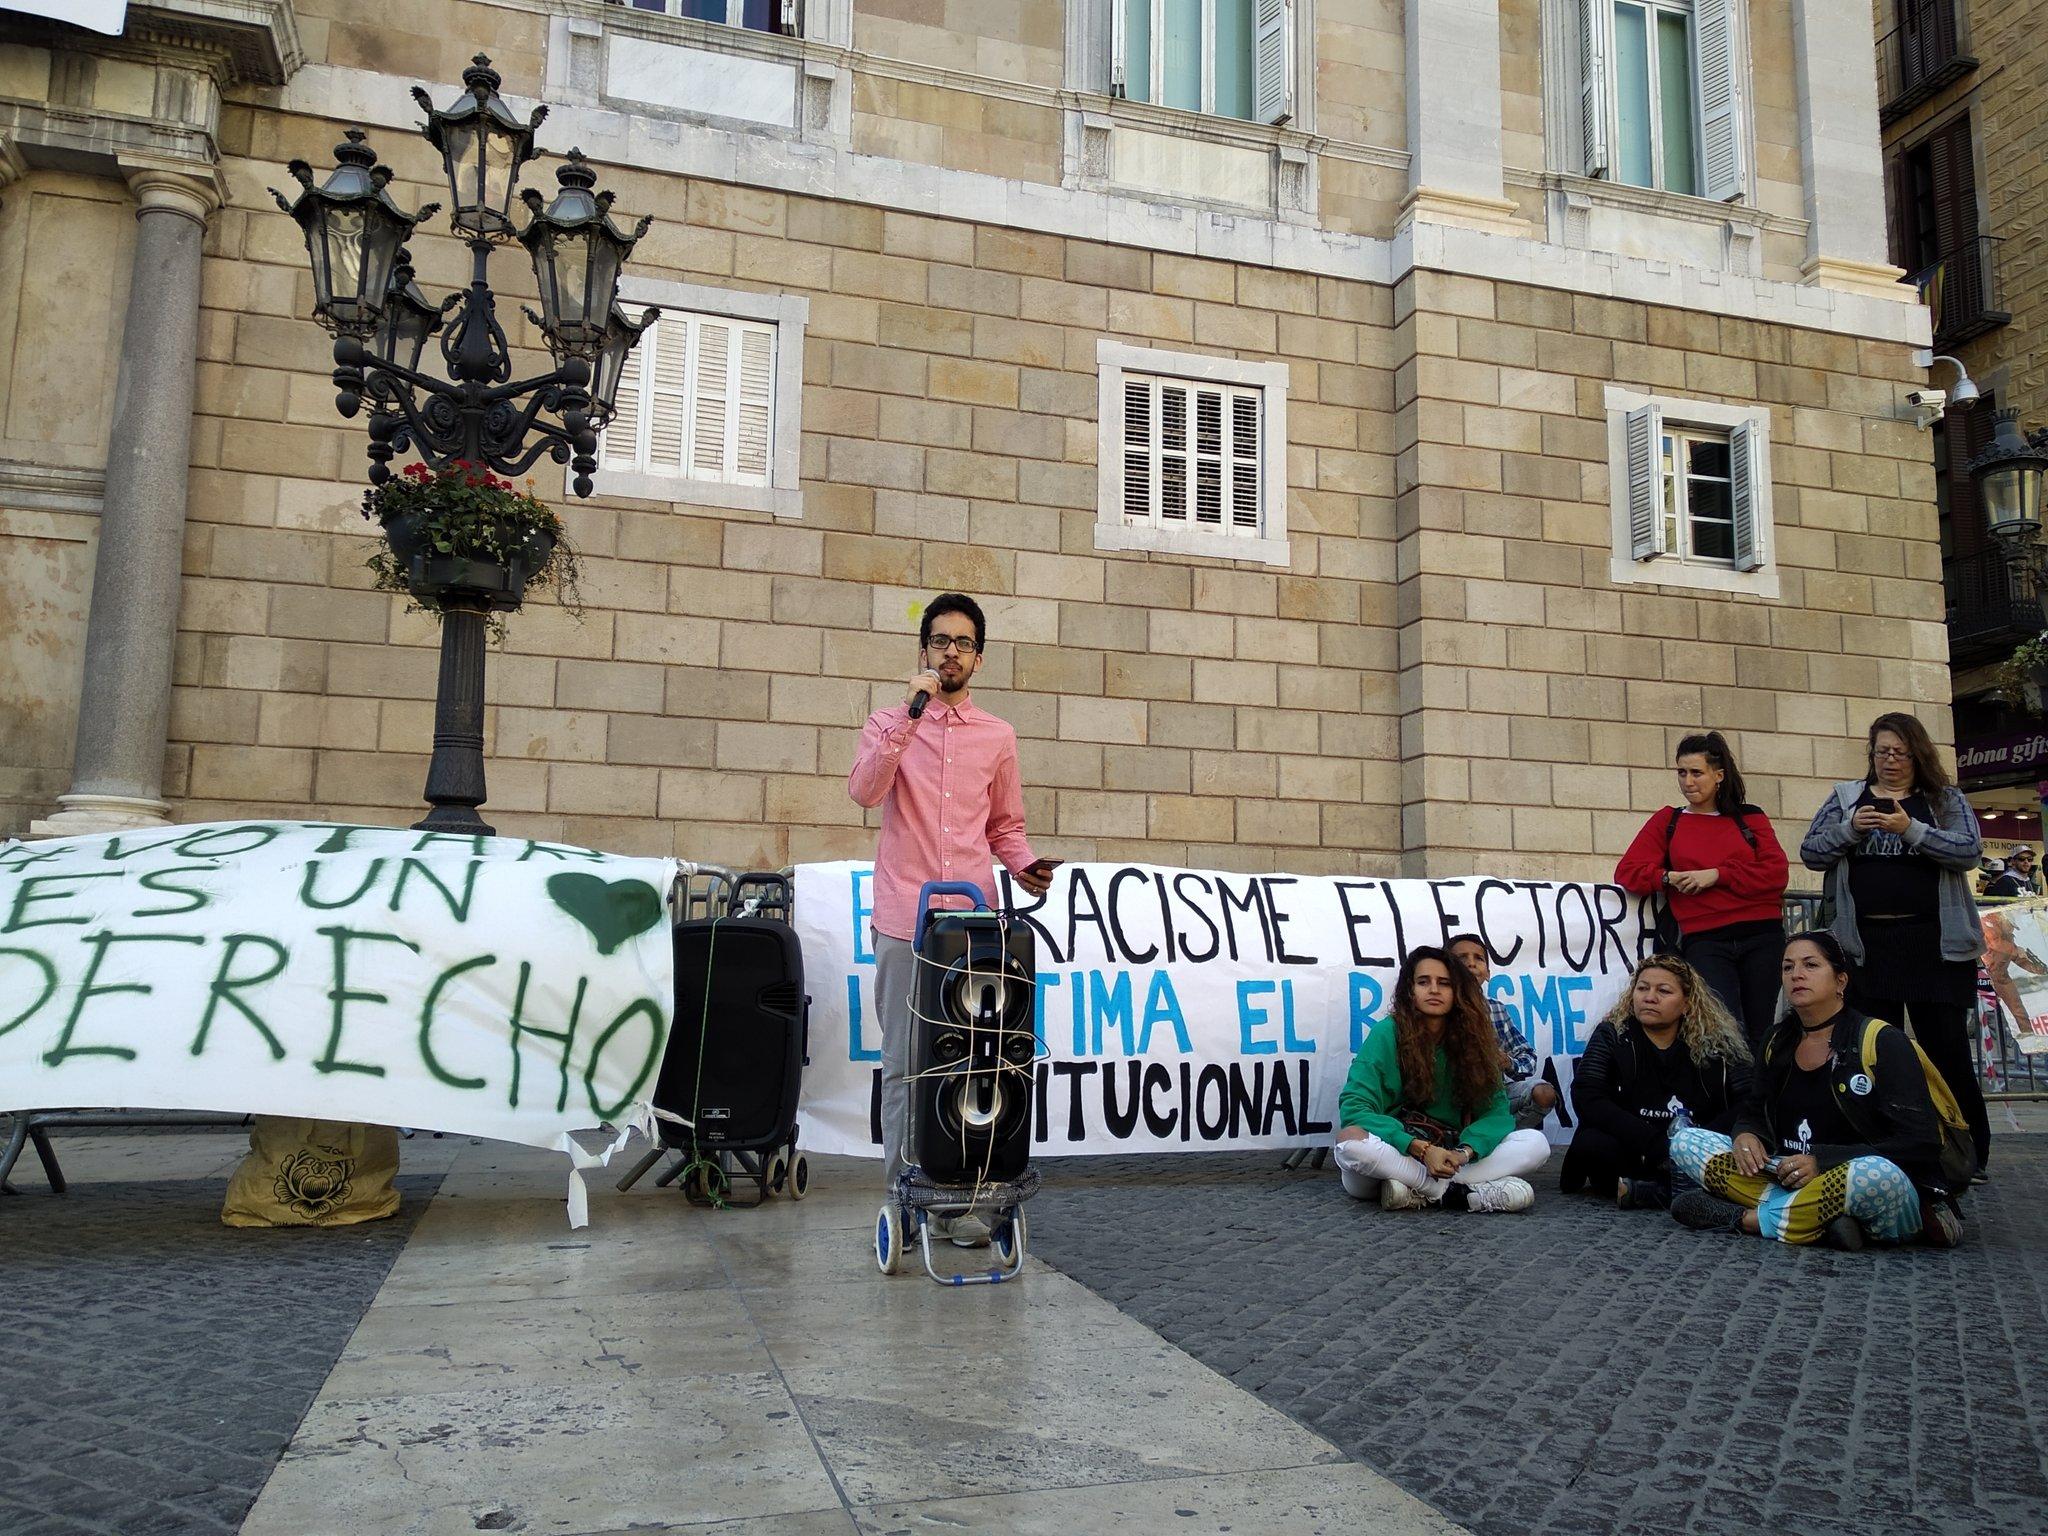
1365, 1165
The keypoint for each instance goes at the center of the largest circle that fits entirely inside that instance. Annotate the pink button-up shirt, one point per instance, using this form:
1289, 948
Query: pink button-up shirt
951, 800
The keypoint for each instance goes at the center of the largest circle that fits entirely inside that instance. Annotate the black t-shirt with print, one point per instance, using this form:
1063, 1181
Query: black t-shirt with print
1807, 1115
1888, 878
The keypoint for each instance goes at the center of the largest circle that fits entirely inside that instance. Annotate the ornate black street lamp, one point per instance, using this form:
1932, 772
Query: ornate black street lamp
478, 415
2009, 474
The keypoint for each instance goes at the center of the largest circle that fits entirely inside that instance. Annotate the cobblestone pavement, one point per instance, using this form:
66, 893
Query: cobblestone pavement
1577, 1370
153, 1363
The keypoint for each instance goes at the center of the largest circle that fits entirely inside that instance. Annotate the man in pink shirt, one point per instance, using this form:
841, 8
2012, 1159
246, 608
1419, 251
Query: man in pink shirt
952, 804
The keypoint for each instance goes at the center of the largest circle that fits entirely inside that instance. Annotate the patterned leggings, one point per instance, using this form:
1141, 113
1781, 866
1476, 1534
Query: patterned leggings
1876, 1192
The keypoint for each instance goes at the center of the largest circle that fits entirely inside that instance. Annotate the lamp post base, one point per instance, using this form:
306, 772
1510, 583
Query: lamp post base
455, 778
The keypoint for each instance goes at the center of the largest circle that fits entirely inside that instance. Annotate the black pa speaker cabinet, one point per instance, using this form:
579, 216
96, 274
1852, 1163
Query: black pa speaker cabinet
740, 1016
973, 1056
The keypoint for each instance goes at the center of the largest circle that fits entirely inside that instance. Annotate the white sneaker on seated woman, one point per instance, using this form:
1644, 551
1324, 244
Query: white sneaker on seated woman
1424, 1115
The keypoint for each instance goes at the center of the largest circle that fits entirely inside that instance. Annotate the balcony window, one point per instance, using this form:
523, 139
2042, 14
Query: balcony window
1925, 50
1935, 234
1661, 86
1226, 58
754, 15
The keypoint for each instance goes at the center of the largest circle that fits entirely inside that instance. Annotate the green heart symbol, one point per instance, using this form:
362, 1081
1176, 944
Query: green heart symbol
613, 910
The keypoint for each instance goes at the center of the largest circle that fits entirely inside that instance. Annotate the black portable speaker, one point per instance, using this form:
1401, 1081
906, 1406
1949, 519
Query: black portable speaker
973, 1052
740, 1014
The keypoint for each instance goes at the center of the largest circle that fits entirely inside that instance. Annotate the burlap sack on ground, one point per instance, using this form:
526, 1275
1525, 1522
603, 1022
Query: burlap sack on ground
313, 1173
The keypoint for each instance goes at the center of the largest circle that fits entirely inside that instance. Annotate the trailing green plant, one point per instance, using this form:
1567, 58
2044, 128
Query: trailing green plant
2021, 671
463, 511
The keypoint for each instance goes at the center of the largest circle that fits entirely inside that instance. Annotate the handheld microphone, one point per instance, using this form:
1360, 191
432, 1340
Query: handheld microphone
918, 700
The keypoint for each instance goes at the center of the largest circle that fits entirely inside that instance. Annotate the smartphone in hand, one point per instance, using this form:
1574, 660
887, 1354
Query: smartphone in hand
1043, 868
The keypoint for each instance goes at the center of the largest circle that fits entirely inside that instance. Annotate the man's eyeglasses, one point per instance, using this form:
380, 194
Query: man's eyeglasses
966, 645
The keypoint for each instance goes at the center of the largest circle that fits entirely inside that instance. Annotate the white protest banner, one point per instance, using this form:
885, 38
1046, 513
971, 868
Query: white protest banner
484, 986
1192, 1010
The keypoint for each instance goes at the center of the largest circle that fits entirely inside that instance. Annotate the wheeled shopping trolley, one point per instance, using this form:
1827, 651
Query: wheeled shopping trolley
973, 1069
733, 1069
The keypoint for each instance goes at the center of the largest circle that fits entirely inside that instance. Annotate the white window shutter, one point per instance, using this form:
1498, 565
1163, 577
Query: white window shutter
756, 403
1139, 400
1244, 463
621, 446
1273, 61
1119, 46
1743, 471
1596, 63
710, 437
789, 17
668, 390
1173, 453
1722, 173
1644, 430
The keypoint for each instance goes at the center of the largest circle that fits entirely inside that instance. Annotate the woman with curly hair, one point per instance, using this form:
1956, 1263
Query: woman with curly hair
1424, 1114
1668, 1049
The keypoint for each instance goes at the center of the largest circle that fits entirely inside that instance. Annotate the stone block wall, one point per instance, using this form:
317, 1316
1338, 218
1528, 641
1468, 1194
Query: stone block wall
1540, 701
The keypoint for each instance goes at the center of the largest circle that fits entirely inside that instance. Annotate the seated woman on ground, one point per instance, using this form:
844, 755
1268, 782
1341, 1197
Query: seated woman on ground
1824, 1150
1424, 1112
1668, 1049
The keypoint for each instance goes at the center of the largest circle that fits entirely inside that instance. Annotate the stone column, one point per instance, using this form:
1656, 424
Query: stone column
124, 705
1841, 154
1454, 116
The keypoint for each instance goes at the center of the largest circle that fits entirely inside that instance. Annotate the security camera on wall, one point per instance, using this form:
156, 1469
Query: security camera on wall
1928, 406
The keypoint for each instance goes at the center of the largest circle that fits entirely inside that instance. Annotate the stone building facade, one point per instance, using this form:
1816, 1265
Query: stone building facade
1963, 93
1424, 605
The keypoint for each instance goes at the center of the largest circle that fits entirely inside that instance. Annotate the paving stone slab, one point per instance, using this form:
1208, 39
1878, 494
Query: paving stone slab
1604, 1371
156, 1363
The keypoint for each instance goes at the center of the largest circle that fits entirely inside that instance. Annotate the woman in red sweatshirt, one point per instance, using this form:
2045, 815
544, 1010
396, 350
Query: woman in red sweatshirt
1719, 865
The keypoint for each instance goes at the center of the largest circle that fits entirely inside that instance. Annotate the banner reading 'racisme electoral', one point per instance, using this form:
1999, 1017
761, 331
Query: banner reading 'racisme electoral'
1193, 1010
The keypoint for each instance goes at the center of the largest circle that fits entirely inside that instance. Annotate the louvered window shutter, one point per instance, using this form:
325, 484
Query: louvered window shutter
1644, 430
1743, 472
1244, 463
1723, 174
1273, 61
1596, 61
622, 436
709, 439
1139, 492
756, 404
1191, 455
667, 394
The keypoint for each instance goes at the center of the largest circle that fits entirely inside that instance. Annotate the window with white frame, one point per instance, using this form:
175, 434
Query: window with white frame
1193, 454
708, 402
697, 399
783, 16
1228, 58
1691, 493
1661, 87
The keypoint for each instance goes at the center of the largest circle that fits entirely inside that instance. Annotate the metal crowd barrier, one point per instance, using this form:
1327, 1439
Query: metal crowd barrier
2003, 1069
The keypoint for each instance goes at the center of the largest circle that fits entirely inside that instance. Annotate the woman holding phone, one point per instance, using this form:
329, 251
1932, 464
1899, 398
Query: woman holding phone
1895, 850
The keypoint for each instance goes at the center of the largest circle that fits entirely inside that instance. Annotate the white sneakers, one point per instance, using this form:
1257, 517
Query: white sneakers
1500, 1195
1396, 1196
1492, 1195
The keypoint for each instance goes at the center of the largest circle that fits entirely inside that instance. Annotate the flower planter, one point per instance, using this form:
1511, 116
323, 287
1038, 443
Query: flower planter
462, 538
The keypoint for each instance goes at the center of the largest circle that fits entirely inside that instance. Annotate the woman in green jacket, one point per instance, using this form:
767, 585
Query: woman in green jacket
1425, 1120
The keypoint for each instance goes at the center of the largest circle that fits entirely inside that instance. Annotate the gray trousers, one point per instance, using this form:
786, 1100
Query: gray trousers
895, 974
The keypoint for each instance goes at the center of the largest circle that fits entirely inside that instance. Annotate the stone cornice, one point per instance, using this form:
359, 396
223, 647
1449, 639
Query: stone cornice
258, 40
714, 153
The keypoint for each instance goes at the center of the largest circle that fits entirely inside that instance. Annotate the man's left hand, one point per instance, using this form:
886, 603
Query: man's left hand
1035, 878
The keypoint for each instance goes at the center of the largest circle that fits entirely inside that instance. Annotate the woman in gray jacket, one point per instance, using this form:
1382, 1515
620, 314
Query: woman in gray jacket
1895, 849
